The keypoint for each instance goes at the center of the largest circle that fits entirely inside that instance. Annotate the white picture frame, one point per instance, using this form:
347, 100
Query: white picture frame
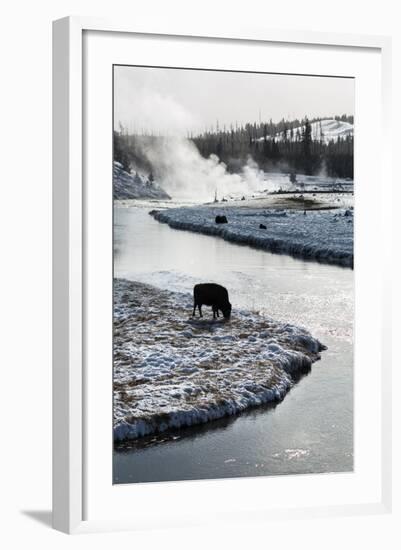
70, 259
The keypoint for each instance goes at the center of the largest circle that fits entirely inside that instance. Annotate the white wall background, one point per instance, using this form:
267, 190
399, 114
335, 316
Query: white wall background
25, 219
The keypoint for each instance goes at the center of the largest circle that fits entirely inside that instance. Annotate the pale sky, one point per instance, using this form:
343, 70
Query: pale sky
177, 101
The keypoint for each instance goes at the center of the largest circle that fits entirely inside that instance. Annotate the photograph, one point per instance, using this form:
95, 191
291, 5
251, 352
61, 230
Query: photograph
233, 279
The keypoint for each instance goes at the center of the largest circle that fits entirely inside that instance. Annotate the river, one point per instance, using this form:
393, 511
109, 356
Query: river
311, 430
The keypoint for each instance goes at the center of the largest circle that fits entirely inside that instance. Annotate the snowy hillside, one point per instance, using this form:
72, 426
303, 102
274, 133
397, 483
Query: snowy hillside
325, 130
328, 130
127, 186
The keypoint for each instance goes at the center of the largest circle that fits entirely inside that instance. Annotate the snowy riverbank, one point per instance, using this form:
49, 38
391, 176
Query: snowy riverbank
171, 370
325, 236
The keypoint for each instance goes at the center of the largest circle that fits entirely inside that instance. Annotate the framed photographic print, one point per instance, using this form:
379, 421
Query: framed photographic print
218, 319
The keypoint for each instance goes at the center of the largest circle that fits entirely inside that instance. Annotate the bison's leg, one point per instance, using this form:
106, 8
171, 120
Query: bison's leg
217, 311
193, 313
200, 310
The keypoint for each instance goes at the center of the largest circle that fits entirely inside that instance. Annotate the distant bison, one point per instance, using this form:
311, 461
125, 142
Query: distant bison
221, 219
210, 294
262, 226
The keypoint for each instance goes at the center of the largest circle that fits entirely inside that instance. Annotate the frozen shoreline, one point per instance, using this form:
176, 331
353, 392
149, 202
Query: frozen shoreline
323, 236
171, 370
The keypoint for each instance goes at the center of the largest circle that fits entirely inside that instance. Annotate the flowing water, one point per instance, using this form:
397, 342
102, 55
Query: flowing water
311, 430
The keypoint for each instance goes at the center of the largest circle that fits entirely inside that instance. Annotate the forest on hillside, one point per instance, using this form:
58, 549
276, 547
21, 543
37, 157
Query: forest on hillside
287, 146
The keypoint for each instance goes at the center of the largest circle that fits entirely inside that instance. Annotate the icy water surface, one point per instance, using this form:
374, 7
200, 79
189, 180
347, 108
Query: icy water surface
312, 429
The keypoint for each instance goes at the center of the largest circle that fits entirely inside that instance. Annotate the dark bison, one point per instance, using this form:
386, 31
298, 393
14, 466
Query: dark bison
221, 219
210, 294
262, 226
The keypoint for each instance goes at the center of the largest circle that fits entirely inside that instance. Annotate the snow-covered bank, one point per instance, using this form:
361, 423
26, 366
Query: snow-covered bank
171, 370
324, 236
128, 186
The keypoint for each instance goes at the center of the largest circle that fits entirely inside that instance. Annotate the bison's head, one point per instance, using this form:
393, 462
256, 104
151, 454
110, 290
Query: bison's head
227, 311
